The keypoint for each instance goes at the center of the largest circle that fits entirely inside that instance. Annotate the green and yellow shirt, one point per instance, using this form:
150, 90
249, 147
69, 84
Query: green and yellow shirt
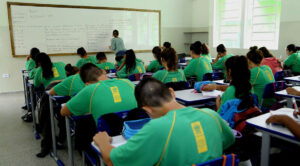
139, 68
182, 137
30, 64
221, 64
106, 66
83, 61
69, 86
198, 67
154, 66
208, 57
170, 76
229, 94
293, 61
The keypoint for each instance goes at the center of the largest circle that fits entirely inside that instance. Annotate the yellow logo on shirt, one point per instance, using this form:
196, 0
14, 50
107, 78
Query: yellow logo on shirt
140, 69
174, 79
206, 65
106, 67
116, 94
55, 72
269, 75
200, 137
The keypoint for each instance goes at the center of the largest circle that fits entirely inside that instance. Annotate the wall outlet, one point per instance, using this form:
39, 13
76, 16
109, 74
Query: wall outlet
5, 75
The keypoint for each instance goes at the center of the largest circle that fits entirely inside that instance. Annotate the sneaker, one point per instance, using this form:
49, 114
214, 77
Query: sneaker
43, 153
28, 117
24, 107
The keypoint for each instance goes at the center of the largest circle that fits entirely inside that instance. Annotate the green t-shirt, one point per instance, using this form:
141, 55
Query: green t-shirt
154, 66
221, 64
182, 137
117, 45
260, 77
198, 67
83, 61
69, 86
293, 61
59, 73
208, 57
229, 94
30, 64
139, 68
106, 66
32, 73
104, 97
170, 76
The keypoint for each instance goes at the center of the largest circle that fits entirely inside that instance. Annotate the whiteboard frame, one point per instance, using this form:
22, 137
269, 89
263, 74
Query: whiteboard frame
9, 4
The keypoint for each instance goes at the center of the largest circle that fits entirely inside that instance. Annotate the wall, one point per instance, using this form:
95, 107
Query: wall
175, 19
289, 28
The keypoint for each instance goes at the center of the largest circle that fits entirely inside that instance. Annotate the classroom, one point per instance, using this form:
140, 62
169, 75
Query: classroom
160, 82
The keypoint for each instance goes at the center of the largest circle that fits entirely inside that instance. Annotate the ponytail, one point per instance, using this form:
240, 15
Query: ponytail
205, 49
255, 55
169, 55
196, 47
157, 53
45, 62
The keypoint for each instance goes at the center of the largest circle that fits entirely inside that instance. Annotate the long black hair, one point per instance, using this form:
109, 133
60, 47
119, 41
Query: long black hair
130, 61
157, 53
45, 62
240, 79
291, 48
266, 53
169, 55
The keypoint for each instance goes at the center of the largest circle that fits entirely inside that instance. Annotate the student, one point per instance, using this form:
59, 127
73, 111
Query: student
48, 71
69, 86
101, 96
102, 62
71, 70
84, 58
219, 62
198, 66
166, 45
205, 52
30, 63
131, 65
200, 134
260, 75
270, 60
33, 70
293, 61
171, 73
117, 44
155, 65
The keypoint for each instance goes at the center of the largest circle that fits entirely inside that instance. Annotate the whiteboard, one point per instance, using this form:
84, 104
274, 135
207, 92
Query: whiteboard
61, 29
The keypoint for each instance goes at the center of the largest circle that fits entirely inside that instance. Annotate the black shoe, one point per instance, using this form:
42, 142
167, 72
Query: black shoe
59, 145
24, 107
43, 153
28, 117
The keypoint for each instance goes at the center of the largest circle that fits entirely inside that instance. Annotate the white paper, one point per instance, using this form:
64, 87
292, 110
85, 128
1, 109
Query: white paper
214, 93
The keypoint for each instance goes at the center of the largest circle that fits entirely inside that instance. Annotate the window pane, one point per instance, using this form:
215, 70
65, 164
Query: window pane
264, 19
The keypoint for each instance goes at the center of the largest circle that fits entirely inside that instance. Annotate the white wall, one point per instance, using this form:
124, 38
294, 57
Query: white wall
176, 19
289, 28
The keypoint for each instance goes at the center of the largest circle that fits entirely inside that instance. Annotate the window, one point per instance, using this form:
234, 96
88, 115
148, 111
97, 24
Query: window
245, 23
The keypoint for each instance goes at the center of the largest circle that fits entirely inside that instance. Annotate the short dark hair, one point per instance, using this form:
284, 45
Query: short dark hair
71, 70
255, 55
90, 73
33, 52
167, 44
116, 32
196, 47
221, 48
101, 56
266, 53
157, 53
81, 51
151, 92
169, 55
291, 48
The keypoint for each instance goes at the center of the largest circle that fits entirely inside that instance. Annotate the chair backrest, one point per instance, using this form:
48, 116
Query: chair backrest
228, 160
111, 71
178, 85
279, 76
218, 75
271, 88
181, 57
208, 77
135, 77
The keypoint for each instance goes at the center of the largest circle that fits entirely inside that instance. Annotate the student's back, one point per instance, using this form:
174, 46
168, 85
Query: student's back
83, 61
69, 86
273, 63
132, 65
190, 136
170, 76
106, 66
104, 97
293, 62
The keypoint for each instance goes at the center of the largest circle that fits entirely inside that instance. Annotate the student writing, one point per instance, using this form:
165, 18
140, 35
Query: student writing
84, 58
102, 62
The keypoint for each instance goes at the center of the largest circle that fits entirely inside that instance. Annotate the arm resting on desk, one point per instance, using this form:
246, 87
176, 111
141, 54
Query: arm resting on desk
290, 123
65, 111
102, 140
52, 92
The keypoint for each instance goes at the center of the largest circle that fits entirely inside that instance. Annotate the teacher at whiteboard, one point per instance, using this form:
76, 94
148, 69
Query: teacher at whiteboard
117, 44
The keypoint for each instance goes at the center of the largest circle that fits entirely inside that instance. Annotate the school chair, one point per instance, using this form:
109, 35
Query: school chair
225, 160
178, 85
192, 80
135, 77
181, 58
218, 74
269, 93
111, 71
34, 95
279, 76
208, 77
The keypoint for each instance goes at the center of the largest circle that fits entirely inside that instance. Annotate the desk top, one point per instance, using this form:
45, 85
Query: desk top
135, 82
116, 142
279, 130
293, 79
283, 93
189, 96
221, 82
111, 75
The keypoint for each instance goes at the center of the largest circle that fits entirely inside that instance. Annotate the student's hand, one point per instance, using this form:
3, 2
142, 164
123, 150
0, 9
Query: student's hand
209, 87
292, 91
218, 102
102, 137
278, 119
296, 113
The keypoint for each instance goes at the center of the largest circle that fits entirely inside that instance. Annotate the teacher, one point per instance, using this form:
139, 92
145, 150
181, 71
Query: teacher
117, 44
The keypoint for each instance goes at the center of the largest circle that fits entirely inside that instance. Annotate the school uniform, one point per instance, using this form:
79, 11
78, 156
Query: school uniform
30, 64
154, 66
117, 45
273, 63
32, 73
170, 76
104, 97
122, 60
293, 61
221, 64
260, 77
59, 73
229, 94
69, 86
106, 66
208, 57
198, 67
181, 137
139, 68
83, 61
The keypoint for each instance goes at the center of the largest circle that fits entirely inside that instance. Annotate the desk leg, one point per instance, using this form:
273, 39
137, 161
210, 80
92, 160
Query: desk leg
69, 140
24, 86
36, 134
265, 149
